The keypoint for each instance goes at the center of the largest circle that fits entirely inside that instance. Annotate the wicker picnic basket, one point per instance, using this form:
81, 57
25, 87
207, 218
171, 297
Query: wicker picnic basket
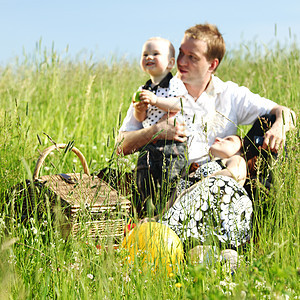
86, 205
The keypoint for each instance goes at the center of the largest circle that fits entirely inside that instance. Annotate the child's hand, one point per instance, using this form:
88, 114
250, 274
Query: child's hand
140, 107
148, 97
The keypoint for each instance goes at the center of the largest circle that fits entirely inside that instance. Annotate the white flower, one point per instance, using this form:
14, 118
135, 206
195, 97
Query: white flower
90, 276
94, 147
126, 278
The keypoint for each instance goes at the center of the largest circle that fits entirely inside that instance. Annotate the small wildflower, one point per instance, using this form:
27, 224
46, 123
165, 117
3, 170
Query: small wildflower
74, 160
126, 278
223, 283
110, 278
171, 275
178, 285
232, 285
46, 168
34, 230
90, 276
94, 147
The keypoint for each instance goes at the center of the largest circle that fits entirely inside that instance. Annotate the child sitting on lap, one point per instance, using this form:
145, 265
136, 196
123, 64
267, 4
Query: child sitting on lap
162, 161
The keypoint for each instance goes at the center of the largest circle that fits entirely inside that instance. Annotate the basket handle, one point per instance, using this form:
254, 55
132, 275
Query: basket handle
45, 153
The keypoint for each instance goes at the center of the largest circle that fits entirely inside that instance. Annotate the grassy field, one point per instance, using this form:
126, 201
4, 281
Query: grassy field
43, 95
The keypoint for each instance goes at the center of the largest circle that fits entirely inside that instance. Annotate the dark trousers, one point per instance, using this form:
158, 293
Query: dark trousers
159, 166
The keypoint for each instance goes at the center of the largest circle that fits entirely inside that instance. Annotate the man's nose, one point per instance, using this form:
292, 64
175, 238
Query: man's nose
181, 59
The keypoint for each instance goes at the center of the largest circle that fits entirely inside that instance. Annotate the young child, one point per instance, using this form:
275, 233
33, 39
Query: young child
213, 207
157, 60
162, 161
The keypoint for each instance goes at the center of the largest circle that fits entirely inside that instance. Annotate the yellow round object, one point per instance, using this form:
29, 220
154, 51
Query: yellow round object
154, 245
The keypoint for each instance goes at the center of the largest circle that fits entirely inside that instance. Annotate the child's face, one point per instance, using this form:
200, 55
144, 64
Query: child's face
155, 59
226, 147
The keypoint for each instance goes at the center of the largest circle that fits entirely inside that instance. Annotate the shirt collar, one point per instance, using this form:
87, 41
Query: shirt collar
163, 84
215, 86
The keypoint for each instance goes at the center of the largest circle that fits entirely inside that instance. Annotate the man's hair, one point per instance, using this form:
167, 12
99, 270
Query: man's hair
171, 47
209, 34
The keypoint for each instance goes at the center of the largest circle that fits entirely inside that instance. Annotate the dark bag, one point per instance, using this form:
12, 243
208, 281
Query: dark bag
258, 158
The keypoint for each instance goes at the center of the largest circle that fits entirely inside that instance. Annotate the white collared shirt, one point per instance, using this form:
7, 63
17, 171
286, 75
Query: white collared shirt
216, 113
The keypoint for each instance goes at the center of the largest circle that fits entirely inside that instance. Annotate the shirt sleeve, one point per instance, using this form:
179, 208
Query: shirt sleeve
177, 88
250, 106
130, 123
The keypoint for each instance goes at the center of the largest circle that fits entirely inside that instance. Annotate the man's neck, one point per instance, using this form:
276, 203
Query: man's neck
196, 91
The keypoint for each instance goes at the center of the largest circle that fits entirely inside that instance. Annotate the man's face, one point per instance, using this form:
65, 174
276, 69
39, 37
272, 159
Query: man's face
193, 67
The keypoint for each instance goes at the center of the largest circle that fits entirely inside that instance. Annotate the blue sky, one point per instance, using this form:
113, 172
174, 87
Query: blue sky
119, 27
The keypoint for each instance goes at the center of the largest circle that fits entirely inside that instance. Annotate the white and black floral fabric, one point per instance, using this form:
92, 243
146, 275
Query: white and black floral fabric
215, 208
203, 171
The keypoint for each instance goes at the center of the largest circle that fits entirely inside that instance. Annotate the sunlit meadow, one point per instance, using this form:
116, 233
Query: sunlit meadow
47, 95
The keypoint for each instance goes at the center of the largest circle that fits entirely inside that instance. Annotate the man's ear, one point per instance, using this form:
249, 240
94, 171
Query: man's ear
213, 65
171, 63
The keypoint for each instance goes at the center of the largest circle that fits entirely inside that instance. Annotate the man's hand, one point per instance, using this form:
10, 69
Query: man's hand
275, 137
166, 128
171, 129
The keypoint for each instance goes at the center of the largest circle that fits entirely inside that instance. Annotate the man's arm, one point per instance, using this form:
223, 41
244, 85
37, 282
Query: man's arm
285, 121
130, 141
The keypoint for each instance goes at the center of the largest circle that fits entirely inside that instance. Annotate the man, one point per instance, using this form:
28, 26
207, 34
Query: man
219, 106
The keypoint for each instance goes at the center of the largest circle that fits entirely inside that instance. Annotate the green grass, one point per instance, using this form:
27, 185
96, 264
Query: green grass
85, 102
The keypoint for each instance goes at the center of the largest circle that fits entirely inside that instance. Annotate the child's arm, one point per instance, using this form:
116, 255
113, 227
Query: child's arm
171, 104
140, 110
